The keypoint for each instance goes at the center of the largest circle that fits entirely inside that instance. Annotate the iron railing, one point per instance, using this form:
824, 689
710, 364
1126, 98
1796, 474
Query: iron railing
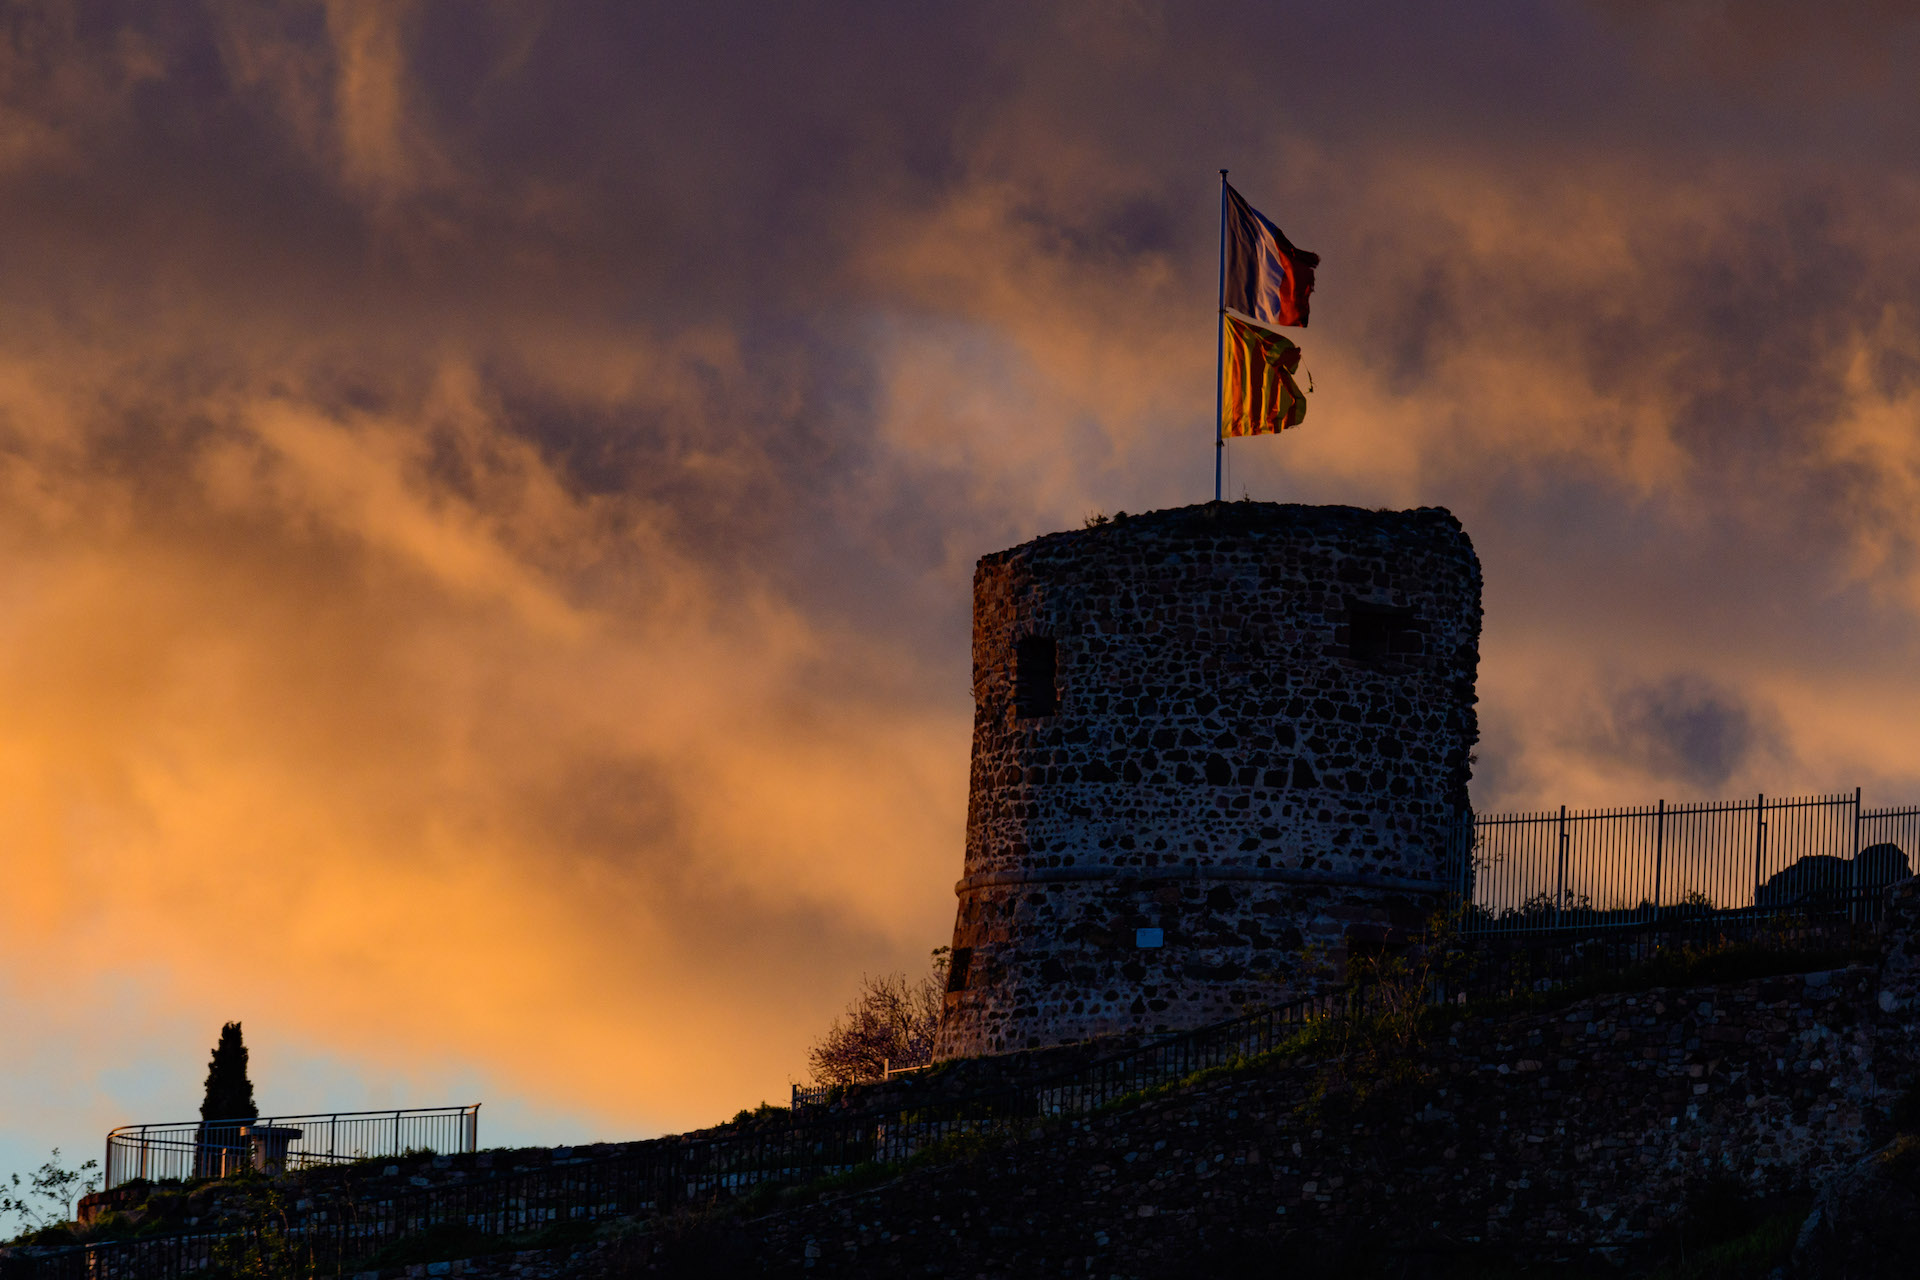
1166, 1058
333, 1239
1597, 868
331, 1236
215, 1148
814, 1095
818, 1095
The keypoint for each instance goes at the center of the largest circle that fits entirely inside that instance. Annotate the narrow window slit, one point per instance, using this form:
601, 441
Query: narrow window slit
1034, 665
957, 966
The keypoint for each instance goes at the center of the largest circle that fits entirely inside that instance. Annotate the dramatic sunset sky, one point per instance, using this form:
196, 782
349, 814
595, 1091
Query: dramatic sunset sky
488, 491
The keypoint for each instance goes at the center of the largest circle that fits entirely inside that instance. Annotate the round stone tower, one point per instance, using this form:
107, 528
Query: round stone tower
1214, 749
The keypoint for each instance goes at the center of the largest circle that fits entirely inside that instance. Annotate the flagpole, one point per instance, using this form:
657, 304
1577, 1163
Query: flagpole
1220, 342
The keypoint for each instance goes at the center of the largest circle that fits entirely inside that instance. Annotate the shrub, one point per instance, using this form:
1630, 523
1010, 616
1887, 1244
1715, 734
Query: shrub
890, 1023
46, 1203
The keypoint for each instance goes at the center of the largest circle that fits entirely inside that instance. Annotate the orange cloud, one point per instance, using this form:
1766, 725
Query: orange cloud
489, 501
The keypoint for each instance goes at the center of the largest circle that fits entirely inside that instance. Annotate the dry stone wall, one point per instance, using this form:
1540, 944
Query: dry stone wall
1213, 748
1574, 1134
1570, 1133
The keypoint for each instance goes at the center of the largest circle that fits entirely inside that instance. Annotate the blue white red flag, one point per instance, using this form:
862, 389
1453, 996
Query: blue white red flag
1266, 280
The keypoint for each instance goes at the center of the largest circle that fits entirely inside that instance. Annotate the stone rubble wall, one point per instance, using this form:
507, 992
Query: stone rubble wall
330, 1194
1227, 763
1564, 1133
1554, 1134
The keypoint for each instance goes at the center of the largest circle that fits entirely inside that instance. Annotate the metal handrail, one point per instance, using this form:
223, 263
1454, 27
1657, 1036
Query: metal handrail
1566, 869
184, 1149
656, 1175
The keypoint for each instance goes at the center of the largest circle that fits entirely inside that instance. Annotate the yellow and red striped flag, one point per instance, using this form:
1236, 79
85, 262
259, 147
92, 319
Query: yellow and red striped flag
1258, 394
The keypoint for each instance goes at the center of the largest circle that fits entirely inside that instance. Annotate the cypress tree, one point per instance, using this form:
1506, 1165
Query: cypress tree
229, 1092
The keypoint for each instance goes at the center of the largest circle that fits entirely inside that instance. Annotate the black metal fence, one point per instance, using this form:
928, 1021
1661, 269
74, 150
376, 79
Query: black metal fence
1599, 868
818, 1095
216, 1148
349, 1233
335, 1236
1163, 1059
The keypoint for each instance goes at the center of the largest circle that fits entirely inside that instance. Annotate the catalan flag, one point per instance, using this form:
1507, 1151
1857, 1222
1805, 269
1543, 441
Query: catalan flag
1257, 392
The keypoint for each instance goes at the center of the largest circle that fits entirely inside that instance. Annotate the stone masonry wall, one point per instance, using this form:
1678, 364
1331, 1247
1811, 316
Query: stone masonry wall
1257, 745
1562, 1134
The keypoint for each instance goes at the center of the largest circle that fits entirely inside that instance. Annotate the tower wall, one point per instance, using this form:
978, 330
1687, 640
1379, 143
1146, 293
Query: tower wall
1244, 725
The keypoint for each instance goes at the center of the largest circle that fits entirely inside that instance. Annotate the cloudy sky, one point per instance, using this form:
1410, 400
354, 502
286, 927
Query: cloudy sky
488, 492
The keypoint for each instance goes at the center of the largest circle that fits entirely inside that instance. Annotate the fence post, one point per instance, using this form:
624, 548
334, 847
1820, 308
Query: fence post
1461, 854
1659, 852
1759, 841
1856, 905
1560, 888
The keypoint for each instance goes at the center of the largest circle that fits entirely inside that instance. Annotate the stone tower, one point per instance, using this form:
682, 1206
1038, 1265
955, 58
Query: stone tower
1214, 748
